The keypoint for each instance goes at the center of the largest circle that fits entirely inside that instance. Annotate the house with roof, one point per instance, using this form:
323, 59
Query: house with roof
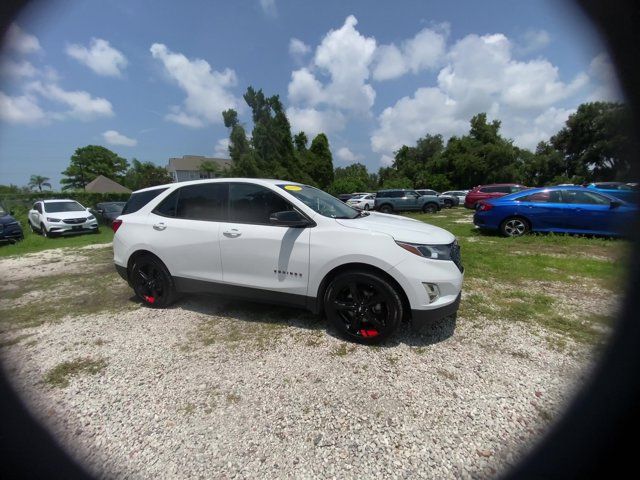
189, 167
102, 184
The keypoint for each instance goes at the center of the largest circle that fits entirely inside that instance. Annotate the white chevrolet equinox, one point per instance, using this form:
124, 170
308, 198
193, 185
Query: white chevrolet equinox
286, 243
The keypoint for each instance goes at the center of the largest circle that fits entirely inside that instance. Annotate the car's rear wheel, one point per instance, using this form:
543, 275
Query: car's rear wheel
448, 203
430, 208
386, 208
363, 306
152, 282
366, 206
514, 227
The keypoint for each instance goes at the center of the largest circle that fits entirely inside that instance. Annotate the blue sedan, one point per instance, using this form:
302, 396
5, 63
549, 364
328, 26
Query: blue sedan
555, 209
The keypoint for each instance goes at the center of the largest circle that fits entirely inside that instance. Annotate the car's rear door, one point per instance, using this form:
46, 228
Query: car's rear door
544, 209
184, 230
260, 255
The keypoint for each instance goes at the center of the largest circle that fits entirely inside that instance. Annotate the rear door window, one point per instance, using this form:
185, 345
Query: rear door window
541, 197
206, 201
140, 199
583, 197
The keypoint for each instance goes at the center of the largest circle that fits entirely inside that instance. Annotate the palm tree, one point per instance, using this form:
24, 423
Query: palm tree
39, 181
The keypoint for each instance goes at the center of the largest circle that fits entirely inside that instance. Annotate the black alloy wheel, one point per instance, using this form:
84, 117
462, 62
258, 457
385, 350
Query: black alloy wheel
152, 282
43, 230
448, 203
366, 206
363, 307
430, 208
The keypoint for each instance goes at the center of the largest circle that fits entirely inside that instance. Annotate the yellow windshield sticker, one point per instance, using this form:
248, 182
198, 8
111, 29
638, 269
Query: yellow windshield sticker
293, 188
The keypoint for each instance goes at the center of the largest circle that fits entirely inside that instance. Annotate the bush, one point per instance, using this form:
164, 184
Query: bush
14, 201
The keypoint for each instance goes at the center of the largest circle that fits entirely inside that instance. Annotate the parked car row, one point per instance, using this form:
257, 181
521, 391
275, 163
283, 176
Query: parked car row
404, 200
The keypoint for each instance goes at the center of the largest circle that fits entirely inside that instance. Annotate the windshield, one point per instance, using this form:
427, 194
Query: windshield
57, 207
321, 202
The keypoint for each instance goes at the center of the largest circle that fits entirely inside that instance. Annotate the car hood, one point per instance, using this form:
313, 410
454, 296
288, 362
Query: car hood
402, 229
65, 215
4, 219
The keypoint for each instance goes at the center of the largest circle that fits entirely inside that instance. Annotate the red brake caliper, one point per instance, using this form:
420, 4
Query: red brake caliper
369, 333
149, 299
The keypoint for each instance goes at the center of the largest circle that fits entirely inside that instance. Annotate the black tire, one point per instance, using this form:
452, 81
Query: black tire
43, 231
33, 230
366, 206
448, 203
363, 306
430, 208
152, 283
515, 227
386, 208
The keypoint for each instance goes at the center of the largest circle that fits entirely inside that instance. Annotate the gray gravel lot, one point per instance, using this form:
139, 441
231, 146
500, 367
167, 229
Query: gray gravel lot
219, 389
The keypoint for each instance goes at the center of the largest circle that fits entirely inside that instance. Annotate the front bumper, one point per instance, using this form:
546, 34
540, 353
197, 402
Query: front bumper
63, 228
10, 232
420, 318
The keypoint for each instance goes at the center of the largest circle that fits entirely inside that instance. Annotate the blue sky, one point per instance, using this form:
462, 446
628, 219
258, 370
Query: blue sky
148, 79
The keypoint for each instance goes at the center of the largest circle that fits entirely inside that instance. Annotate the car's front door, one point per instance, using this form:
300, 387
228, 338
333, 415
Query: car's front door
588, 211
184, 230
409, 201
257, 254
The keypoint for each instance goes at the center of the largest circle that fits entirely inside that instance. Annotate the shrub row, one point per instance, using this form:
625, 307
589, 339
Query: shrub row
87, 199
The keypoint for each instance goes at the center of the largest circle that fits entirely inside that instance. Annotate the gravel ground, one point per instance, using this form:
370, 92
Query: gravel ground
211, 388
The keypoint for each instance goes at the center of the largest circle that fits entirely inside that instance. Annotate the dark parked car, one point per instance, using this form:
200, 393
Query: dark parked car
10, 228
486, 192
624, 191
555, 209
107, 212
399, 200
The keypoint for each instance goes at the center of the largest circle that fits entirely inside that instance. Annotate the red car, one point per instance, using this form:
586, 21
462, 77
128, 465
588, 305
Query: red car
486, 192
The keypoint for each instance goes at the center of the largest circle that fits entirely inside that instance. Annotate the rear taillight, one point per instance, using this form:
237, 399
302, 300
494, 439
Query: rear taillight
116, 225
485, 207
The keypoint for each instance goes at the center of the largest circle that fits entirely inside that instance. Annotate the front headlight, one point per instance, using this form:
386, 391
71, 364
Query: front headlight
434, 252
53, 220
91, 217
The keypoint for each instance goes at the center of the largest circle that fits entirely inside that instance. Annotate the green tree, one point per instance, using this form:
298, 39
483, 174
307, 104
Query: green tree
320, 166
352, 178
596, 142
38, 181
145, 174
300, 141
209, 168
89, 162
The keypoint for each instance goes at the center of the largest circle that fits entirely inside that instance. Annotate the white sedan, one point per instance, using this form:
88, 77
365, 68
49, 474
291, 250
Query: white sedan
363, 202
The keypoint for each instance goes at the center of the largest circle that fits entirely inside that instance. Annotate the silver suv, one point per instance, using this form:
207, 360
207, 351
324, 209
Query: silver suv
400, 200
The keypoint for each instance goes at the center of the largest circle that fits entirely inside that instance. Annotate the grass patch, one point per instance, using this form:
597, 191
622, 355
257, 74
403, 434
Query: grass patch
343, 350
59, 376
36, 243
14, 340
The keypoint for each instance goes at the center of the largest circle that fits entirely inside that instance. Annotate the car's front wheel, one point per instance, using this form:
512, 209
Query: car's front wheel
363, 306
152, 282
514, 227
366, 206
448, 203
43, 231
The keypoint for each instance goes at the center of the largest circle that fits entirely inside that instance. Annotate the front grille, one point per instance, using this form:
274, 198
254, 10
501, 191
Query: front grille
456, 257
72, 221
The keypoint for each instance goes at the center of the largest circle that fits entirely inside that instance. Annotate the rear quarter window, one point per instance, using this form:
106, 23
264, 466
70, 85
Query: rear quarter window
140, 199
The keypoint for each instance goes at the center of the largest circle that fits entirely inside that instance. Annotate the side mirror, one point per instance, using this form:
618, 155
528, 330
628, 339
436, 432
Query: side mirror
615, 204
289, 218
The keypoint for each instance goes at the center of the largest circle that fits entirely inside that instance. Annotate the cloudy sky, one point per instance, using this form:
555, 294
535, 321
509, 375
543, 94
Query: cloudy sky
149, 79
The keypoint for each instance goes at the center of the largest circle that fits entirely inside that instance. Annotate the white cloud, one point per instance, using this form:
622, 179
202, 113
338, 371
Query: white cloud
22, 109
298, 49
17, 69
533, 41
481, 75
20, 41
312, 121
269, 7
114, 138
604, 75
221, 149
81, 104
347, 156
344, 55
386, 160
422, 52
100, 57
207, 90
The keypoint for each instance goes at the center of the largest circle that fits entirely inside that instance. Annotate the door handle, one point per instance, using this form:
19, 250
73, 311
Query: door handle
232, 233
159, 226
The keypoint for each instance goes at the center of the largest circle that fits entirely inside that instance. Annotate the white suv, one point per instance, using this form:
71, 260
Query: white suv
58, 217
287, 243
